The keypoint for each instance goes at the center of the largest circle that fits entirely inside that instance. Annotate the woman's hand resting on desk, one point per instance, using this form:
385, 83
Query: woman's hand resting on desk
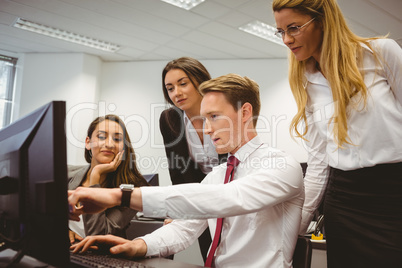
74, 237
118, 245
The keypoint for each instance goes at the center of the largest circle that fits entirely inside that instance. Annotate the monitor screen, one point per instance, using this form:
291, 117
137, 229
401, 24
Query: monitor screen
33, 185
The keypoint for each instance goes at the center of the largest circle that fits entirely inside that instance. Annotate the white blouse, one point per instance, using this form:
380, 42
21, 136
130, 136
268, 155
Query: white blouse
375, 131
205, 154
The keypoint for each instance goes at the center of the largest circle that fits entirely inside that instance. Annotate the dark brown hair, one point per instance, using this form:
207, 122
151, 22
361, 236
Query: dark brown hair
196, 72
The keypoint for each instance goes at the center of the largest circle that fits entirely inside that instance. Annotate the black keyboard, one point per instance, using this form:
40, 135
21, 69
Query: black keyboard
103, 261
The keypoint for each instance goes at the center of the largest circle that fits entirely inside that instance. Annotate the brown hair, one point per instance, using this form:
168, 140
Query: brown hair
237, 90
127, 172
196, 72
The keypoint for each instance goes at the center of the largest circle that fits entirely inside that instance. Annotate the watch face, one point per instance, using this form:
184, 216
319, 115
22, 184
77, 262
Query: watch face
126, 187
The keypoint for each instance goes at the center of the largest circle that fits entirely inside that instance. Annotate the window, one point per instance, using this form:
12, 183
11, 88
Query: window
7, 75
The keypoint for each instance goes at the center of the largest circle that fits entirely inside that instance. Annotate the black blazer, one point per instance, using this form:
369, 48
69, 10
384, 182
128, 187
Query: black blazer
182, 168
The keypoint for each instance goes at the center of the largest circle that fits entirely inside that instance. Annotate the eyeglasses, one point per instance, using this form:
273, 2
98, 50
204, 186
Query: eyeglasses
292, 30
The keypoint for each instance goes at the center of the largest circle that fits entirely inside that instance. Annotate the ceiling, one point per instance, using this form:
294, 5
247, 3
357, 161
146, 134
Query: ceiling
154, 30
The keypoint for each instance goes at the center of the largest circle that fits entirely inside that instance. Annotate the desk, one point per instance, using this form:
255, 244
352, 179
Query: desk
142, 227
167, 263
319, 258
319, 244
29, 262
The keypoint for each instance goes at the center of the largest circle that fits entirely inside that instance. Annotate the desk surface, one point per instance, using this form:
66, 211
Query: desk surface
319, 244
167, 263
29, 262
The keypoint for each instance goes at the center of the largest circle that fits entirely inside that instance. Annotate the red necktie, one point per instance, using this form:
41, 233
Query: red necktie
232, 162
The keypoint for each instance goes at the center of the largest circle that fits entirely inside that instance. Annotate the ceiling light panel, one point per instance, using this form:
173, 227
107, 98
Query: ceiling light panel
262, 30
185, 4
65, 35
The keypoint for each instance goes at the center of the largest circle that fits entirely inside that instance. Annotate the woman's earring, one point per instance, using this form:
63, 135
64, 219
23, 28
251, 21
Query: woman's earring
90, 153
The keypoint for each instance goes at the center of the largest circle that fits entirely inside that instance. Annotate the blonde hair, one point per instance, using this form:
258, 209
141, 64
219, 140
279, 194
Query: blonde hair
339, 51
237, 90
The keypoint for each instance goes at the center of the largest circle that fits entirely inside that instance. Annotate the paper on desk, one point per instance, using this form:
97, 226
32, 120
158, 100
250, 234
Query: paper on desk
77, 227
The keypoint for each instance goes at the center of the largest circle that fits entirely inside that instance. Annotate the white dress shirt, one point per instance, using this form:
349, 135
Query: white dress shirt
261, 208
205, 154
375, 131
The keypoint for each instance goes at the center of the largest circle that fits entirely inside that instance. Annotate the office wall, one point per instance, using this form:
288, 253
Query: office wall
73, 78
133, 91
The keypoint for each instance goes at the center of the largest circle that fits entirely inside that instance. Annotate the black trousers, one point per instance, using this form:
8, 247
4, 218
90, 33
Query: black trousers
363, 217
205, 240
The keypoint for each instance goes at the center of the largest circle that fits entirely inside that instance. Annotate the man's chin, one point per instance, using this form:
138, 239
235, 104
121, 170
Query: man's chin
221, 150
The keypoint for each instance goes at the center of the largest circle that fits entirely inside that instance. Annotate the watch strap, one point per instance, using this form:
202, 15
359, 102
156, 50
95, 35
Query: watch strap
125, 198
126, 190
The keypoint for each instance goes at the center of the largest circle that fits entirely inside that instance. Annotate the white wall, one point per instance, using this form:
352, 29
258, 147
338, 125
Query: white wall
73, 78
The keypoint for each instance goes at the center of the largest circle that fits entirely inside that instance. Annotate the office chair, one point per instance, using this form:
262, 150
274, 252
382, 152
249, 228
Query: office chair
303, 252
152, 179
140, 226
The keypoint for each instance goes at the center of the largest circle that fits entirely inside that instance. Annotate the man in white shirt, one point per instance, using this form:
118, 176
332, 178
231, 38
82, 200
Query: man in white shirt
261, 207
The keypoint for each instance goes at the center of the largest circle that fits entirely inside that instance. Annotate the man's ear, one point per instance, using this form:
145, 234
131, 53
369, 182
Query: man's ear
87, 143
247, 112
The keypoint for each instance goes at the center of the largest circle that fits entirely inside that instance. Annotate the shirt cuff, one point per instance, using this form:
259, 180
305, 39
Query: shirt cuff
152, 246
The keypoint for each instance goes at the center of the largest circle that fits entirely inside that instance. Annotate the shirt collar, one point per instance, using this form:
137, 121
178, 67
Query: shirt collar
186, 120
313, 75
366, 47
247, 149
188, 124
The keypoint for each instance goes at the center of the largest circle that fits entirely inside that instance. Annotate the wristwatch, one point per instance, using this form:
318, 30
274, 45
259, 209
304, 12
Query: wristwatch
126, 190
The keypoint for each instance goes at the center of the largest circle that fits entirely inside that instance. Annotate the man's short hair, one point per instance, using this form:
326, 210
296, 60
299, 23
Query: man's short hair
237, 91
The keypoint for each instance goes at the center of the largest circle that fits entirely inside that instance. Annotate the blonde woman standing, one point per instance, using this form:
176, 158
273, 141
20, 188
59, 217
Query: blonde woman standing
348, 90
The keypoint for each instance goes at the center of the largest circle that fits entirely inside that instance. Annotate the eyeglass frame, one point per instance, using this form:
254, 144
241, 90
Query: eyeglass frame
281, 33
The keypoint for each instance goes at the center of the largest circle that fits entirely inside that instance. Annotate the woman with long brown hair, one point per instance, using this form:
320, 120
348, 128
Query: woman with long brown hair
190, 152
112, 162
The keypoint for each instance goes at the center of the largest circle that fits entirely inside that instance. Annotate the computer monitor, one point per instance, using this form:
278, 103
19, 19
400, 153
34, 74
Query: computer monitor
33, 185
